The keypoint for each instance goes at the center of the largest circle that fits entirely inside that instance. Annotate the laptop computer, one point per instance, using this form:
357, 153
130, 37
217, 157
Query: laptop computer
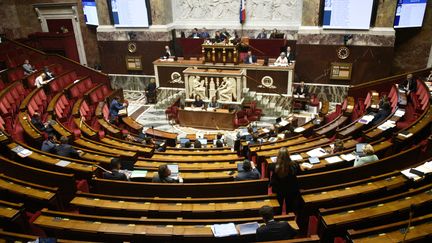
203, 141
359, 148
174, 170
240, 167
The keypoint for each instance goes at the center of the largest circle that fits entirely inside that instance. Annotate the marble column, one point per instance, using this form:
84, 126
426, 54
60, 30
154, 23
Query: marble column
385, 13
161, 12
311, 9
430, 58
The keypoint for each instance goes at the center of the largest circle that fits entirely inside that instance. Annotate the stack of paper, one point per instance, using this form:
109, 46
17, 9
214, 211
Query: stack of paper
299, 129
410, 175
248, 228
138, 174
307, 165
296, 157
224, 230
348, 157
366, 119
333, 159
425, 168
318, 152
22, 152
400, 113
283, 123
386, 125
405, 134
63, 163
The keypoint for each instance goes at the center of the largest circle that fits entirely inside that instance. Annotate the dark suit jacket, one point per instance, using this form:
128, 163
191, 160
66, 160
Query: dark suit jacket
248, 175
66, 150
115, 175
291, 56
157, 179
262, 36
275, 230
299, 92
412, 84
246, 59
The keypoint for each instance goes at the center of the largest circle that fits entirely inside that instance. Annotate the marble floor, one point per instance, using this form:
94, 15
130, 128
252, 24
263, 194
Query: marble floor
152, 116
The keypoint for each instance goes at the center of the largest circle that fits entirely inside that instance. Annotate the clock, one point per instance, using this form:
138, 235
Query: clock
343, 52
132, 47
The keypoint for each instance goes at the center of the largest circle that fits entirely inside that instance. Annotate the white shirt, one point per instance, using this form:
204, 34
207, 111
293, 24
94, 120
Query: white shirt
39, 81
281, 61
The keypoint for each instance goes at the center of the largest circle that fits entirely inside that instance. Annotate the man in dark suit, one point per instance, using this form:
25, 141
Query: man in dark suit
40, 125
195, 34
250, 59
409, 85
262, 34
66, 150
273, 230
205, 34
302, 90
50, 144
168, 53
289, 54
115, 173
249, 172
219, 37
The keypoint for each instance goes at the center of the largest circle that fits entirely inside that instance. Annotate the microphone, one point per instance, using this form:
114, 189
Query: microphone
411, 213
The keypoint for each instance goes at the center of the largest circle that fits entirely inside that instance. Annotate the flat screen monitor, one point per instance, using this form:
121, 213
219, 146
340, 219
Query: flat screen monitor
359, 148
347, 14
130, 13
410, 13
90, 12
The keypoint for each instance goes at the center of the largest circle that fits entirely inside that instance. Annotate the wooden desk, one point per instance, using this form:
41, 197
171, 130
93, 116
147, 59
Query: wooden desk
170, 137
220, 119
281, 77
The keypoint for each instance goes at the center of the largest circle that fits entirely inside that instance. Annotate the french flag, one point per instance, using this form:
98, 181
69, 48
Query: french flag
242, 11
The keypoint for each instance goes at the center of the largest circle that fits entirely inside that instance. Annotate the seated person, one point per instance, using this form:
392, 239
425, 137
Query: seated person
115, 173
409, 85
188, 144
249, 172
254, 139
114, 109
383, 112
197, 144
48, 74
282, 60
213, 103
317, 121
274, 34
225, 33
198, 102
163, 175
167, 53
205, 34
336, 147
66, 150
149, 141
151, 91
219, 37
273, 230
302, 90
219, 144
195, 34
262, 34
161, 147
28, 68
40, 80
40, 125
368, 157
429, 77
250, 59
49, 145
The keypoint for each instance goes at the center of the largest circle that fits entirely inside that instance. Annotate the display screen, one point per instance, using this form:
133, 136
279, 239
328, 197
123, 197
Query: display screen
90, 12
129, 13
347, 14
410, 13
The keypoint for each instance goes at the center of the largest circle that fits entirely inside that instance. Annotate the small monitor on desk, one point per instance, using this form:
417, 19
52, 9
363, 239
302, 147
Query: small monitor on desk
359, 148
203, 141
183, 141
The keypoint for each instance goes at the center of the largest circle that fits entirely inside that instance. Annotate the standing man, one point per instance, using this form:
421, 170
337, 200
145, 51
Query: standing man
114, 109
195, 34
409, 85
290, 55
167, 53
302, 90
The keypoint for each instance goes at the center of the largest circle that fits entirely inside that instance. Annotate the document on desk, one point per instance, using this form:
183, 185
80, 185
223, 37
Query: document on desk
299, 129
283, 123
138, 174
224, 230
63, 163
348, 157
296, 157
400, 113
366, 119
318, 152
333, 159
410, 175
248, 228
